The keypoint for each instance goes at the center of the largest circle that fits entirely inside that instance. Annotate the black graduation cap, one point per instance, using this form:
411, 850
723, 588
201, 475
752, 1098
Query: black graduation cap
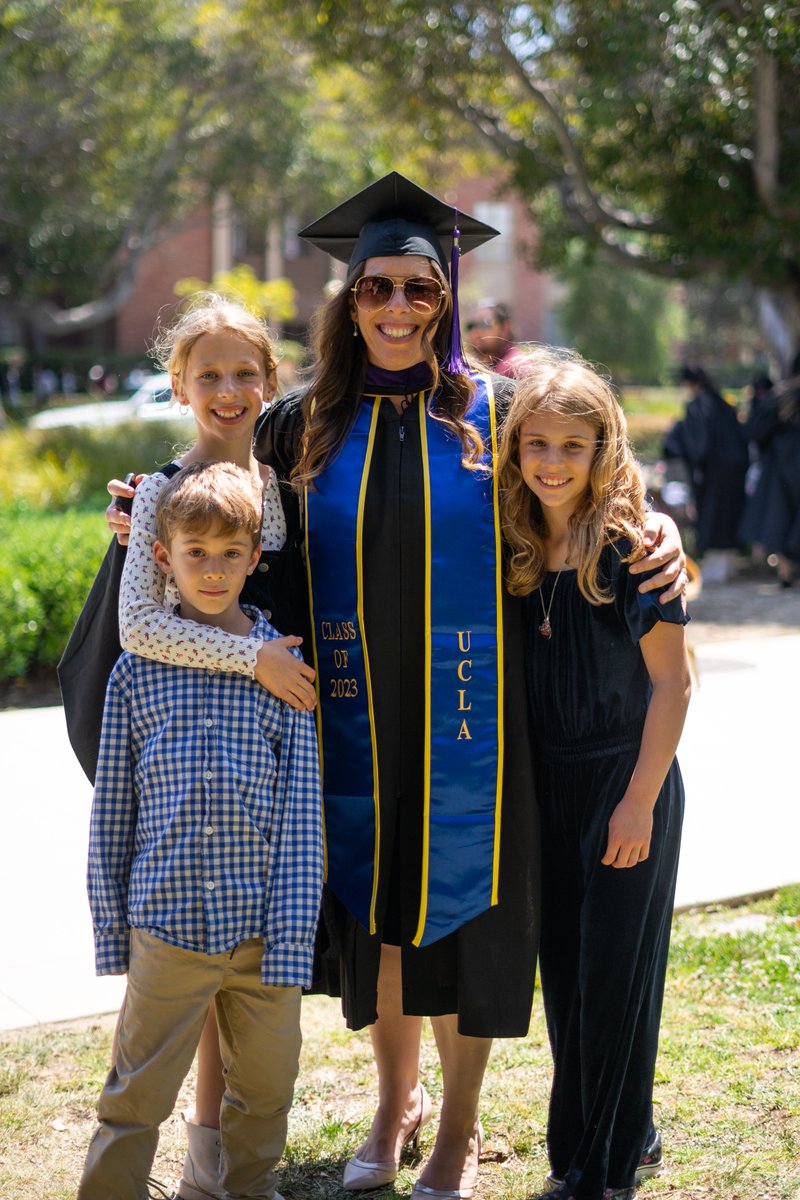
394, 216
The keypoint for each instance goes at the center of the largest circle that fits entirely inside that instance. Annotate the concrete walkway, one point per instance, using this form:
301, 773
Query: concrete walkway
742, 830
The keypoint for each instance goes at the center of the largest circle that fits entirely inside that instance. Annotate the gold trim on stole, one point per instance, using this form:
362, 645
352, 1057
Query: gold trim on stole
370, 707
423, 911
426, 794
362, 495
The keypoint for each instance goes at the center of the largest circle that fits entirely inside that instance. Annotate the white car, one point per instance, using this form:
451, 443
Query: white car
150, 402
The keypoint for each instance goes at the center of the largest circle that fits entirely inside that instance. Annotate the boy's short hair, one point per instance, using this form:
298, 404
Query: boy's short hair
210, 493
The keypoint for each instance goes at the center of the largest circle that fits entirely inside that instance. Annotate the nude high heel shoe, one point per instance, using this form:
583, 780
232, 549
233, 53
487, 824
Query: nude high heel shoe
421, 1191
361, 1176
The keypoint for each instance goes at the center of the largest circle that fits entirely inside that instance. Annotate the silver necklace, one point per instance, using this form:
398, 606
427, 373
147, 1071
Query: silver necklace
546, 629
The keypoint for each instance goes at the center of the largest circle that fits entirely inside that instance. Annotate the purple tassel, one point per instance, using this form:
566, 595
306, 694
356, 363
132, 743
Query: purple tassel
454, 363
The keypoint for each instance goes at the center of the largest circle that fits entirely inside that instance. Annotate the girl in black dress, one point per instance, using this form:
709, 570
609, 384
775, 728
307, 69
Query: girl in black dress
609, 685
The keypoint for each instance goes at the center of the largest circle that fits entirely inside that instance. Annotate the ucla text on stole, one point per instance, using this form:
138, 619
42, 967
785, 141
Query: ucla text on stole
343, 689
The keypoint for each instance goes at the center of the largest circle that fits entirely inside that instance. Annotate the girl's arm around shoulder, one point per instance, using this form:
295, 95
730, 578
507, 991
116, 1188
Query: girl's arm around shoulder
142, 588
630, 828
148, 629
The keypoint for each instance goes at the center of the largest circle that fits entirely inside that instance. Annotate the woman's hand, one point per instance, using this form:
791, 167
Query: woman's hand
629, 833
665, 550
287, 677
119, 521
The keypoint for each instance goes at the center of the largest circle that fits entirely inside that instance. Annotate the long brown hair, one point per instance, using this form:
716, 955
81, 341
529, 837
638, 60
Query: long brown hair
330, 403
613, 505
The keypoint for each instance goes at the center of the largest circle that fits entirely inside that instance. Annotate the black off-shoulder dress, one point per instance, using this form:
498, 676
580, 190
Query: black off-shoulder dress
605, 931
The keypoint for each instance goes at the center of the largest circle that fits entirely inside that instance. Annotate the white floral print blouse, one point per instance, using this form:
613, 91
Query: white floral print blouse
148, 625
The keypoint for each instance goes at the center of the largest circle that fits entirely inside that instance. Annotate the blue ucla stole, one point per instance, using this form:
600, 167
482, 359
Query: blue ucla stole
463, 683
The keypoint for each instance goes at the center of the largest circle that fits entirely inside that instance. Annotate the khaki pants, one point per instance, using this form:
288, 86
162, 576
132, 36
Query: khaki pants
168, 994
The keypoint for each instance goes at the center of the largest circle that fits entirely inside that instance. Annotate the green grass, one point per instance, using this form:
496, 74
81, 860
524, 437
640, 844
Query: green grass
653, 401
650, 413
727, 1087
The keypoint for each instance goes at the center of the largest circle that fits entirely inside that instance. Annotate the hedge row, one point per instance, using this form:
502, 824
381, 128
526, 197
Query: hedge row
52, 532
57, 469
47, 564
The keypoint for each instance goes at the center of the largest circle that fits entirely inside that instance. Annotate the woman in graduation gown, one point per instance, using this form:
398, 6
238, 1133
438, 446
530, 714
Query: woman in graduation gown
430, 818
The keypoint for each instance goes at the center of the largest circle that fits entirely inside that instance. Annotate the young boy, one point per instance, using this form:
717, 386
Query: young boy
205, 863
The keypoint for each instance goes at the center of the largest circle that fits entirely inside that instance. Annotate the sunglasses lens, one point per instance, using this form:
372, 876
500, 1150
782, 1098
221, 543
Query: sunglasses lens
373, 291
424, 295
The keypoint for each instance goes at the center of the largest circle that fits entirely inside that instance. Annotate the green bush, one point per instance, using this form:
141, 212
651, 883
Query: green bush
52, 532
59, 468
20, 624
47, 564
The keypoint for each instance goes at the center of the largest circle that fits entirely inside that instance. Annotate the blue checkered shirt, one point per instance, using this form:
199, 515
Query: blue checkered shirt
206, 825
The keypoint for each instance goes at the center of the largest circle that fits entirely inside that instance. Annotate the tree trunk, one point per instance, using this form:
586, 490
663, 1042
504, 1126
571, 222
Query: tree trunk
779, 322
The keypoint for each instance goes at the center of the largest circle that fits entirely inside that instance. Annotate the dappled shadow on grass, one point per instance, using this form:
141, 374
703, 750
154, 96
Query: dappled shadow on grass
321, 1179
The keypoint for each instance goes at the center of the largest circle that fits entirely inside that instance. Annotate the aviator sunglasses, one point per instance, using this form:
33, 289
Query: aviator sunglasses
422, 293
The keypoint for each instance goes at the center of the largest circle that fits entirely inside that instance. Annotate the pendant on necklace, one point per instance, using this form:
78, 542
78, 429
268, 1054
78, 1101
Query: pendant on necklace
546, 629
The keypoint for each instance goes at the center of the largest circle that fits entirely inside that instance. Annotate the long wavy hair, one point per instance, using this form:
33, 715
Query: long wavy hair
613, 506
331, 400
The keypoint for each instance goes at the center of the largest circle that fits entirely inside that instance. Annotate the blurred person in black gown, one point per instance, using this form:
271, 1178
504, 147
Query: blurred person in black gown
711, 441
771, 522
763, 521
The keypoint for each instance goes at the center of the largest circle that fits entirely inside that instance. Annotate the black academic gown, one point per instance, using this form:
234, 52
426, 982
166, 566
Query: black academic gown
711, 441
485, 970
767, 515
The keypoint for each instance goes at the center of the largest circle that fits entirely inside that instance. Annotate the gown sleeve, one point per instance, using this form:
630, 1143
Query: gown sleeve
148, 626
640, 611
278, 433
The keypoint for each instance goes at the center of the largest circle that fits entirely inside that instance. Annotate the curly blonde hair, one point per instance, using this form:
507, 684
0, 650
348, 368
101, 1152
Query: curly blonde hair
613, 506
210, 312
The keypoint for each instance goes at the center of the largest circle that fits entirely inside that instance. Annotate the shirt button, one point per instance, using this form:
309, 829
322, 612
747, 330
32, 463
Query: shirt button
263, 567
209, 722
210, 672
210, 885
267, 612
208, 775
209, 830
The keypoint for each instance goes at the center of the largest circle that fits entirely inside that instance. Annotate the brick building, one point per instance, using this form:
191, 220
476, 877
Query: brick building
214, 239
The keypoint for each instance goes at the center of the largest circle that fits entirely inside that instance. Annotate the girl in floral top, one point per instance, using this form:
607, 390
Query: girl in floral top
222, 365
